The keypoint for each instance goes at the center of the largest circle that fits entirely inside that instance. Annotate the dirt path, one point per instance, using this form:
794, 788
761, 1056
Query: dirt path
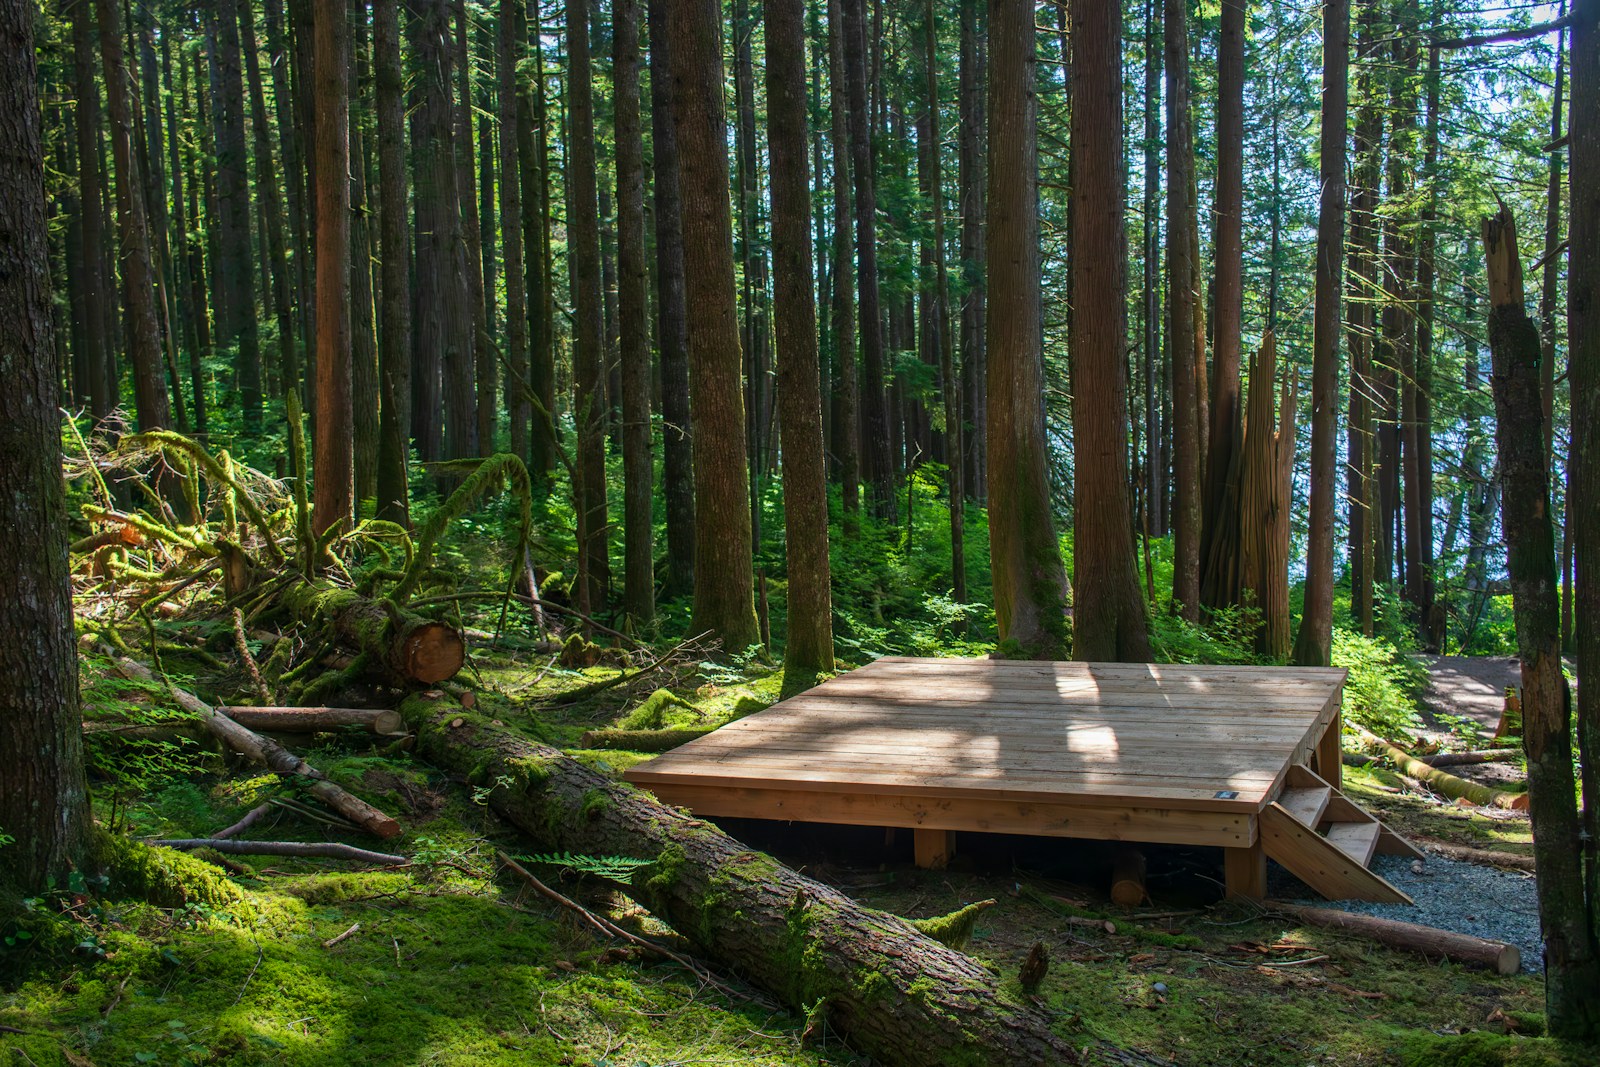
1470, 686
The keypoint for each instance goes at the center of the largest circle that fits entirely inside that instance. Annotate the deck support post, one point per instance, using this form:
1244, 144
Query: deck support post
1245, 871
934, 848
1330, 765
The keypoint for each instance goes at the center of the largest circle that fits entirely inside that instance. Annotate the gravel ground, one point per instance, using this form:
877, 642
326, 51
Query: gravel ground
1465, 897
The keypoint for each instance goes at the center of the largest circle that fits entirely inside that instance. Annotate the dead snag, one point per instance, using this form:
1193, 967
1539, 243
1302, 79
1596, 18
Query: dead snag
894, 993
407, 649
266, 751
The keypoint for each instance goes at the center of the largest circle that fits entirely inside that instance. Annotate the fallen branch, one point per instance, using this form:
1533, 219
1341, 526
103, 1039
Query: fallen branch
335, 940
403, 648
1482, 856
1424, 940
1444, 782
251, 817
583, 692
311, 720
327, 850
894, 993
639, 740
268, 752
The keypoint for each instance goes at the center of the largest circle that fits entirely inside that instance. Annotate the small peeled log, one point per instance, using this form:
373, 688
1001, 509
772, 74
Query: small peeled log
1427, 941
311, 720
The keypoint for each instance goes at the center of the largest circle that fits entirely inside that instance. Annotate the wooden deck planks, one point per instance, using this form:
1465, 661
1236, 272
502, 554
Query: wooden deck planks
1095, 735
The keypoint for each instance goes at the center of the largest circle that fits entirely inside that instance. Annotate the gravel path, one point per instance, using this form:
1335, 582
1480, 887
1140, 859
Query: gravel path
1465, 897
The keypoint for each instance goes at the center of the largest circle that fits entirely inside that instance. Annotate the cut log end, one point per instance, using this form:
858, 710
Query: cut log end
433, 653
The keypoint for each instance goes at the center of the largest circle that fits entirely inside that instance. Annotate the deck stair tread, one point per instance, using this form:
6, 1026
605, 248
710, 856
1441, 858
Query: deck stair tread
1357, 839
1327, 840
1306, 803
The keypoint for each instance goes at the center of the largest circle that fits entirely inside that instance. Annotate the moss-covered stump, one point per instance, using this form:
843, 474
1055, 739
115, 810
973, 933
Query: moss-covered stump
402, 648
893, 992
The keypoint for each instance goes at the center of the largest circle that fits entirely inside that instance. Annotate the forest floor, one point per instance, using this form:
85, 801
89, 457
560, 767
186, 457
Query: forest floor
449, 959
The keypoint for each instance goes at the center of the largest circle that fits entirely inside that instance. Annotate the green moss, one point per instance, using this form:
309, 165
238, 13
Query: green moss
663, 874
166, 877
661, 710
953, 930
1478, 1049
596, 802
337, 888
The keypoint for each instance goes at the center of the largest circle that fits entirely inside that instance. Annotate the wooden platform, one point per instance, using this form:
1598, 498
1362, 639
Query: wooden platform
1242, 758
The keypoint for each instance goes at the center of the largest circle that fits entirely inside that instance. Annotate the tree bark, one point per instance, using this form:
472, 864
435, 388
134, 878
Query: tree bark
1314, 644
334, 463
45, 803
876, 456
236, 313
94, 286
633, 320
511, 46
401, 648
805, 488
143, 338
482, 372
365, 390
677, 446
394, 308
724, 600
894, 993
588, 337
1182, 300
974, 321
1572, 956
1362, 288
1110, 622
847, 411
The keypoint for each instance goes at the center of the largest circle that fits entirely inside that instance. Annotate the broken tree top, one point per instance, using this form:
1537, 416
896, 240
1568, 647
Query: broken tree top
1121, 751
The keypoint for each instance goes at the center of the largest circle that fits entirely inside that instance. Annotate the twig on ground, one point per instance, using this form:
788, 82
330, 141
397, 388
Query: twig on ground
250, 819
332, 850
335, 940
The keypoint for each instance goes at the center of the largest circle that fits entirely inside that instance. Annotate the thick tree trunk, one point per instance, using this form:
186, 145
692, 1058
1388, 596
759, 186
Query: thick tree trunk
394, 308
1031, 604
482, 372
894, 993
365, 390
588, 312
805, 487
334, 463
677, 447
974, 323
1155, 477
143, 340
511, 46
1110, 622
45, 802
1182, 301
97, 298
533, 144
633, 321
1314, 644
1572, 957
724, 601
1362, 286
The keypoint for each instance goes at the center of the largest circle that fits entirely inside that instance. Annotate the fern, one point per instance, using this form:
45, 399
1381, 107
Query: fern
612, 868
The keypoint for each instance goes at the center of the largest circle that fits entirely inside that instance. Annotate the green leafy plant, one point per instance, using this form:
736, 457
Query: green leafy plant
612, 868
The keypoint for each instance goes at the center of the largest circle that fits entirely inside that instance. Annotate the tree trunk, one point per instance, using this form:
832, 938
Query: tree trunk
236, 312
1227, 322
1155, 470
893, 993
1572, 957
143, 340
805, 488
877, 458
533, 145
365, 391
45, 804
511, 52
334, 463
633, 319
748, 249
294, 167
1182, 300
847, 413
724, 601
677, 459
1419, 423
94, 286
394, 309
1031, 604
974, 328
481, 373
194, 261
1110, 622
1314, 644
1361, 297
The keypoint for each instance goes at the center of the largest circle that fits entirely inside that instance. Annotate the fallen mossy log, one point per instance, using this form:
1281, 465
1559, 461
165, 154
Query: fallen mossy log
1443, 781
267, 751
639, 740
311, 720
405, 649
331, 850
892, 992
1426, 941
1468, 759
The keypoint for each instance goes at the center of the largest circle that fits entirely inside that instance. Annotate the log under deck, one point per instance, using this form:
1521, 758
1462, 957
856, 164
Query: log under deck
1160, 753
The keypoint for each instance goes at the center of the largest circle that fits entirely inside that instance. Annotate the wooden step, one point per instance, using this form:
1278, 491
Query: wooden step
1321, 864
1356, 839
1306, 803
